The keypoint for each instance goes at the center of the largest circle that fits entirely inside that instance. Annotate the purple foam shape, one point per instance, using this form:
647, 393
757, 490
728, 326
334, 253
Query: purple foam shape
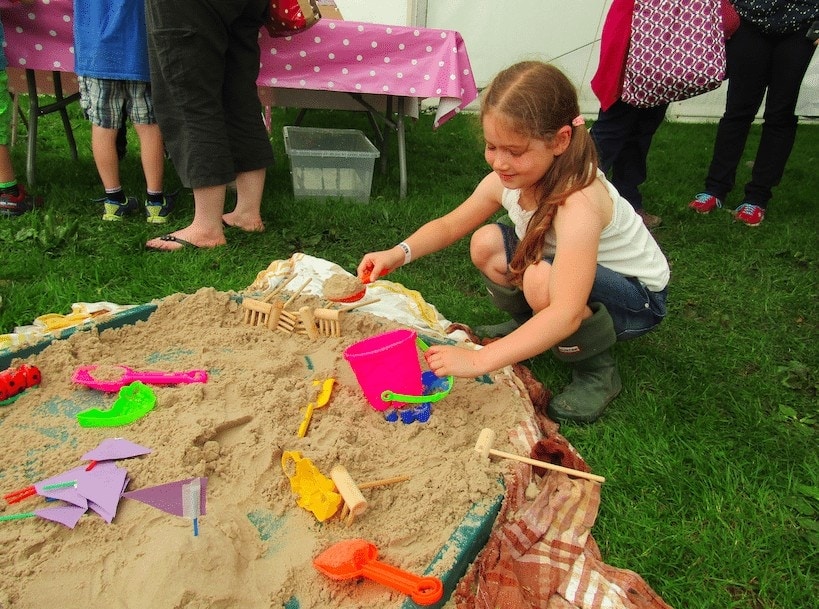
70, 494
105, 514
68, 515
103, 487
168, 497
115, 448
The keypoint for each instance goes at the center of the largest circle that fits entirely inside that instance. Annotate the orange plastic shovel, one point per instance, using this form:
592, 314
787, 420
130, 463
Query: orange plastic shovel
353, 558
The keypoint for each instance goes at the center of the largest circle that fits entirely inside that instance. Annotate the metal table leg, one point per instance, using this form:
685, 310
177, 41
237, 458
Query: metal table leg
36, 111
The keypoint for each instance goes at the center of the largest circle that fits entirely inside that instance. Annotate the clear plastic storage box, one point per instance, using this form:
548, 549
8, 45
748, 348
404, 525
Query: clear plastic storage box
330, 163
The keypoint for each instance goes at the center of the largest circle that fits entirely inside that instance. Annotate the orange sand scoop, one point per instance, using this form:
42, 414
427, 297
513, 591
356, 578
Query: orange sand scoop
353, 558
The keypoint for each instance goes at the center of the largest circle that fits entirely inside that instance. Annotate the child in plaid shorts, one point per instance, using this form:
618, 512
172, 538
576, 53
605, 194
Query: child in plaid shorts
111, 62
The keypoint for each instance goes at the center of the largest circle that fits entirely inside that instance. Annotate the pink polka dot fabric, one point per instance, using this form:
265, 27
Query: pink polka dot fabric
347, 56
357, 57
41, 36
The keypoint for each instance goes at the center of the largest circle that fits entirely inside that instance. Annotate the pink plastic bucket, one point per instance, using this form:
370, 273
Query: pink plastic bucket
386, 362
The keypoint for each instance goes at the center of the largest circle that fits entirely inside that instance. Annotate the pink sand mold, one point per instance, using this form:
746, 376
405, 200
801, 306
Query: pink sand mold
84, 376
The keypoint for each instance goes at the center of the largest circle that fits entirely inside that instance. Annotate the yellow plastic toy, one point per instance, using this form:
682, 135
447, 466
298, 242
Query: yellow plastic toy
321, 401
315, 491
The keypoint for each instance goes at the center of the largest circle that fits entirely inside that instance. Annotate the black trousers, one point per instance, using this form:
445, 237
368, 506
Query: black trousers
759, 63
622, 135
204, 58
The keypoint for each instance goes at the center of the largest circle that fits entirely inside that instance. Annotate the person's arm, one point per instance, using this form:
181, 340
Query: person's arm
439, 233
578, 226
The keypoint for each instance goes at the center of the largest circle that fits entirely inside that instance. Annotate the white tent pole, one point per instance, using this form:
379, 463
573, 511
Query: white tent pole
417, 12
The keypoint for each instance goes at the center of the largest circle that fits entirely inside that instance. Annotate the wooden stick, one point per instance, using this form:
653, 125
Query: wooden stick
359, 304
269, 296
274, 316
383, 482
484, 448
297, 292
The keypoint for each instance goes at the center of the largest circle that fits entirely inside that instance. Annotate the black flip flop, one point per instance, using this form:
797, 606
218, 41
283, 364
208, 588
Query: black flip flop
173, 239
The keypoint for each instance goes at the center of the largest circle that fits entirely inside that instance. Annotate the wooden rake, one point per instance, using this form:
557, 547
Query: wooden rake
272, 315
326, 322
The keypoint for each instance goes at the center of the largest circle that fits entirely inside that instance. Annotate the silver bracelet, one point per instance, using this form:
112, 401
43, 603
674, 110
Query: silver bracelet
407, 252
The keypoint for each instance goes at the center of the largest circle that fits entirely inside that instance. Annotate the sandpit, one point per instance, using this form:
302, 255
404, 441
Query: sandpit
254, 545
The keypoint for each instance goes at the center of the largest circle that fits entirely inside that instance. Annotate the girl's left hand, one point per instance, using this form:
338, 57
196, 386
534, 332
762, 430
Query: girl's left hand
445, 360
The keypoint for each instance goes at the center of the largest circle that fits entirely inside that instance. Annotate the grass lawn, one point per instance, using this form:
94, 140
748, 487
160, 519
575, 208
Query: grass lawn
710, 452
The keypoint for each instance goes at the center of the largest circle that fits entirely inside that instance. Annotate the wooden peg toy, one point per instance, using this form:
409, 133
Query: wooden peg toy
354, 502
484, 448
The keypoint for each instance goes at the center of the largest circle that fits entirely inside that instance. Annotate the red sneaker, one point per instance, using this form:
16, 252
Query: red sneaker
11, 205
704, 203
750, 214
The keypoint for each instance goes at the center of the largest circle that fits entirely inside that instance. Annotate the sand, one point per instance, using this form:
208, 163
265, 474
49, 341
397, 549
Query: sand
340, 287
255, 545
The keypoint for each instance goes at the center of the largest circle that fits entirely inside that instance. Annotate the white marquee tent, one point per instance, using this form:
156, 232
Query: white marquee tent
566, 32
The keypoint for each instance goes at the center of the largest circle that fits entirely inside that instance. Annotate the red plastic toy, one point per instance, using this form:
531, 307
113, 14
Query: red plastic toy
16, 381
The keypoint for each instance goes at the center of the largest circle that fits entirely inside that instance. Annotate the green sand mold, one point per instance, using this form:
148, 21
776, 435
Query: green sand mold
133, 402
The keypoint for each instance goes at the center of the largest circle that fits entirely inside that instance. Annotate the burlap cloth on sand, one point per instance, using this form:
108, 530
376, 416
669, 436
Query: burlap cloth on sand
541, 553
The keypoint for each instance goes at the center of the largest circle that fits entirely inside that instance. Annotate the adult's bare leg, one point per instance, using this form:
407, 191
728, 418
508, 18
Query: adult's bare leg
206, 229
247, 213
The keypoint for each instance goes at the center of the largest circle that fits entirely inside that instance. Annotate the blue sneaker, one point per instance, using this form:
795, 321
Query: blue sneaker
157, 213
113, 211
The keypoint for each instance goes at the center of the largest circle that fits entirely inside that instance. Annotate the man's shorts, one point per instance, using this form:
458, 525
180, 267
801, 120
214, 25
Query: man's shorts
106, 101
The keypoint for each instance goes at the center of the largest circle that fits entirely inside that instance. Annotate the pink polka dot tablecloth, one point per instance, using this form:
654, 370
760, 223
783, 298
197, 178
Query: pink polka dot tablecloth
344, 56
356, 57
40, 36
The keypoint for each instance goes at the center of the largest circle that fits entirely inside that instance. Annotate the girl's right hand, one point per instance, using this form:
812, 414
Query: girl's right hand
377, 264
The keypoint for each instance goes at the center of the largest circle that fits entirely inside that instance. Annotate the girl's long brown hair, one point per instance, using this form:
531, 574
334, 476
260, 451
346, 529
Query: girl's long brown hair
536, 99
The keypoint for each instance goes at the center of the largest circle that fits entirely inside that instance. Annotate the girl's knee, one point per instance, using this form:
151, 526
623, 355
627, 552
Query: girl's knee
486, 247
536, 285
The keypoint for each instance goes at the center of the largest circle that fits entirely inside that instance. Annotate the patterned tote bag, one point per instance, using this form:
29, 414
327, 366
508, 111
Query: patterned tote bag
677, 51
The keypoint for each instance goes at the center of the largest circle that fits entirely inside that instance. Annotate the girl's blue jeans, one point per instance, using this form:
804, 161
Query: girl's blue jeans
634, 309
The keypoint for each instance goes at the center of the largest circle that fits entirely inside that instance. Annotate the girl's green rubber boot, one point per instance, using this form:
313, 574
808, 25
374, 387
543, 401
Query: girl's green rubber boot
511, 300
595, 380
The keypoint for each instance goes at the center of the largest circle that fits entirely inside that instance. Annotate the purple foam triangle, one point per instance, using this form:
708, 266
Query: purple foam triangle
168, 497
103, 487
115, 448
68, 515
69, 495
105, 514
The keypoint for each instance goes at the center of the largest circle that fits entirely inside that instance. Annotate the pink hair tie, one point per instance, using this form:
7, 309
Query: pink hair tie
579, 120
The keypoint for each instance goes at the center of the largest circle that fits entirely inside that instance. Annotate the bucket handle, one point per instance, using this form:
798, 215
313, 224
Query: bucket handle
389, 396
